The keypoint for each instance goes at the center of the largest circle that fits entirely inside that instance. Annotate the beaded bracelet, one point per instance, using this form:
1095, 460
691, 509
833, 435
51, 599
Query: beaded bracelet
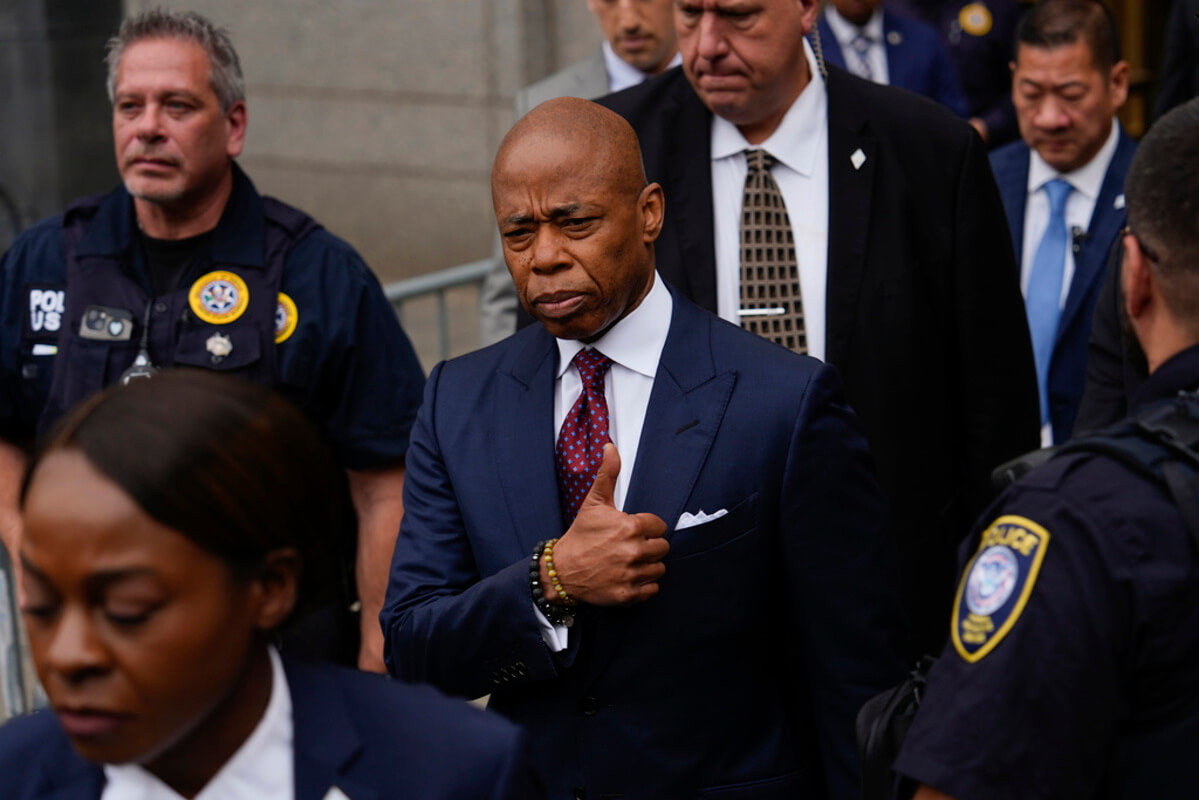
557, 615
548, 554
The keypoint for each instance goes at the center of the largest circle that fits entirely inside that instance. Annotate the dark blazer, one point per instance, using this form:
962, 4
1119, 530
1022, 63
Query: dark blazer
772, 625
371, 738
1067, 370
916, 60
924, 318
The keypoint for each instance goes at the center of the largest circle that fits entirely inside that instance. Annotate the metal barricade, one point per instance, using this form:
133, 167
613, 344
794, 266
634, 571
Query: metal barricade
437, 283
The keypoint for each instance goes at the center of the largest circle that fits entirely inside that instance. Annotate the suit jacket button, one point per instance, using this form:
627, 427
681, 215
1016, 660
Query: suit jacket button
589, 706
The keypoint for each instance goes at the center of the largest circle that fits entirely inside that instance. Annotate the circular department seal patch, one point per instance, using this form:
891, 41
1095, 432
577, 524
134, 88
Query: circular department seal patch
286, 318
992, 580
219, 297
975, 19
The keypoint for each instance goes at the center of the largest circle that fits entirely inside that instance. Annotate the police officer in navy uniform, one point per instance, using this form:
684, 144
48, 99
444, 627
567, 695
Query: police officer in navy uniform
187, 265
980, 35
1073, 665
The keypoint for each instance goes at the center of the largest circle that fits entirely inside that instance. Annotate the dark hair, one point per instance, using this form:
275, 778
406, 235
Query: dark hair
1054, 23
1162, 197
230, 465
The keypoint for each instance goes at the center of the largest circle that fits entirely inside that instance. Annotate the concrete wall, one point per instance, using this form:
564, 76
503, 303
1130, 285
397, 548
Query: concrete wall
381, 117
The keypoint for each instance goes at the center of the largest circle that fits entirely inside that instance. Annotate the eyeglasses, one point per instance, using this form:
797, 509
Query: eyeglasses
1149, 252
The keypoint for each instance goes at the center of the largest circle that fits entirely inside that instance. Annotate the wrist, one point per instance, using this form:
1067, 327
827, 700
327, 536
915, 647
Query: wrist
542, 588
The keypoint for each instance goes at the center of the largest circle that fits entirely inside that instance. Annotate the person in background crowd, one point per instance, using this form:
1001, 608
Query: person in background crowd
896, 265
1074, 664
639, 42
980, 36
170, 527
1063, 187
1180, 63
879, 45
186, 264
725, 653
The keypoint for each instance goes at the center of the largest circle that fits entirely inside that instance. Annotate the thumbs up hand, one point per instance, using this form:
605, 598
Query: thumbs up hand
608, 557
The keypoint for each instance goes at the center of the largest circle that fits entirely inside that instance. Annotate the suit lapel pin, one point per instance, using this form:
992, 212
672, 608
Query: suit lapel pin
335, 794
858, 158
894, 38
1119, 204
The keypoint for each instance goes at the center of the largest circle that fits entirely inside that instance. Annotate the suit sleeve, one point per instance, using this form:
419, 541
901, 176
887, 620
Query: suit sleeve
993, 349
443, 622
839, 553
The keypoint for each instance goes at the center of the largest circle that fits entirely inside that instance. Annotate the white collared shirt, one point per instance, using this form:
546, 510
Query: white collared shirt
846, 31
634, 345
800, 146
263, 768
1087, 180
622, 74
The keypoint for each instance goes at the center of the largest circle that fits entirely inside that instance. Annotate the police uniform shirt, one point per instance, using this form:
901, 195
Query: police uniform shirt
342, 356
1076, 626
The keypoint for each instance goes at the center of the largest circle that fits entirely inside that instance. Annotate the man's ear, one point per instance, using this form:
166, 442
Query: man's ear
236, 120
1137, 280
1118, 84
277, 586
652, 203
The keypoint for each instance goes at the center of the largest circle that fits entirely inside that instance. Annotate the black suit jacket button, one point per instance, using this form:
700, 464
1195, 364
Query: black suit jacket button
589, 706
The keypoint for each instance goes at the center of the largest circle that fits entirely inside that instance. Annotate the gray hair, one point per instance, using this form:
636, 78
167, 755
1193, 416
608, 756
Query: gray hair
160, 23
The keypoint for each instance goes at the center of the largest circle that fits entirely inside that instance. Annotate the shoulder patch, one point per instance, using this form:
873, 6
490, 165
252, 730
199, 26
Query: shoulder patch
45, 305
219, 297
996, 584
975, 19
286, 318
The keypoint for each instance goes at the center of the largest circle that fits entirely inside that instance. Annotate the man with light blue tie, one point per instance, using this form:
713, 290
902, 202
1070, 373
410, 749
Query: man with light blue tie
1063, 187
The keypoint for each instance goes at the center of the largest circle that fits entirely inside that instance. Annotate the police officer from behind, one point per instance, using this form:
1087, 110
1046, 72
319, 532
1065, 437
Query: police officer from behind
1073, 666
187, 265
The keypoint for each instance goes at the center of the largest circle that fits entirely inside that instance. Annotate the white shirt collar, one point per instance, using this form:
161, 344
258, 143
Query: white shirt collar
796, 141
622, 74
845, 31
262, 768
1087, 179
634, 342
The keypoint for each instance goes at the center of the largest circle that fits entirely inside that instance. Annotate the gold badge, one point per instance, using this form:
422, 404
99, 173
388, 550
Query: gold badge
219, 297
975, 19
286, 318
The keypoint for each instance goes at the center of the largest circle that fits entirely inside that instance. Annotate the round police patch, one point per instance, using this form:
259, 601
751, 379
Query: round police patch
219, 297
975, 19
996, 584
286, 318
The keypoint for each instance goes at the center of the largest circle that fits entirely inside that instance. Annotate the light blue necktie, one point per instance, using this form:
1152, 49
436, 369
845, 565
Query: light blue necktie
861, 45
1043, 299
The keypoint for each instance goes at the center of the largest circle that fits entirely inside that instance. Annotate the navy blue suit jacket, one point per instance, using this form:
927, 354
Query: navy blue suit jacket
916, 60
371, 738
772, 625
1068, 369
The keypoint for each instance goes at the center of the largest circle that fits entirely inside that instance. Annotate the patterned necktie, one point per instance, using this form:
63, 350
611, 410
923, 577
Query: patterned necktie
584, 434
771, 305
861, 46
1042, 301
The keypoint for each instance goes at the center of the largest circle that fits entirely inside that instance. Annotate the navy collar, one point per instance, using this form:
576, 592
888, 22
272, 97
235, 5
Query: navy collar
237, 238
1179, 373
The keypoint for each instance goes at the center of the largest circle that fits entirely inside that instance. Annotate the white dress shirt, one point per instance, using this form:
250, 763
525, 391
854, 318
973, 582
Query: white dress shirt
1087, 180
876, 53
622, 74
634, 345
263, 768
800, 146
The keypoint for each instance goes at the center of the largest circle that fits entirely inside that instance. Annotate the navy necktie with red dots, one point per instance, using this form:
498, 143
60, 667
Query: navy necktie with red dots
584, 434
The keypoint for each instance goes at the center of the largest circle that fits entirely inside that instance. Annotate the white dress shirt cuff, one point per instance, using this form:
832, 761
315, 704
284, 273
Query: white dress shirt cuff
553, 635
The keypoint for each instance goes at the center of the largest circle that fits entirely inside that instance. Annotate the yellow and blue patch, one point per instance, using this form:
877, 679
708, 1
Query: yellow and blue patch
976, 19
287, 316
219, 297
997, 584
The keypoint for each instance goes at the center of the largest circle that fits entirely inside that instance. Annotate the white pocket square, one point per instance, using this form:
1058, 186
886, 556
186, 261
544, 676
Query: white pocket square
335, 794
689, 520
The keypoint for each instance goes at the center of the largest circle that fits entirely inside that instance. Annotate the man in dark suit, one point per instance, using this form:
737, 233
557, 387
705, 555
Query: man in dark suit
1067, 85
882, 46
728, 651
906, 270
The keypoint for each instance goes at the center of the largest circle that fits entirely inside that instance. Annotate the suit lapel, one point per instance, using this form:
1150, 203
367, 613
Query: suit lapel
326, 739
850, 191
686, 407
689, 195
69, 776
829, 44
899, 69
1011, 175
524, 448
1106, 221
